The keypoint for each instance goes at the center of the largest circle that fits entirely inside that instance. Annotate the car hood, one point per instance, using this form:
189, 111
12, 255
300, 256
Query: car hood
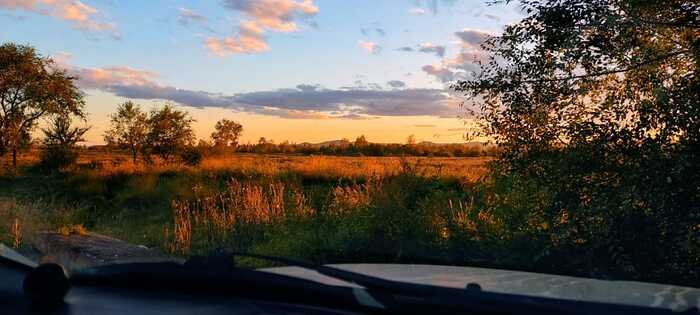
516, 282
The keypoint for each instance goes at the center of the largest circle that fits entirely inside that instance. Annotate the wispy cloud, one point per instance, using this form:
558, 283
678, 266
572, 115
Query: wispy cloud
397, 84
84, 17
429, 48
368, 31
188, 17
418, 11
369, 46
438, 50
433, 6
492, 17
261, 16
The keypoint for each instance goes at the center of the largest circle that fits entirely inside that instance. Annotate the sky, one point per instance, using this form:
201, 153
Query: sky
295, 70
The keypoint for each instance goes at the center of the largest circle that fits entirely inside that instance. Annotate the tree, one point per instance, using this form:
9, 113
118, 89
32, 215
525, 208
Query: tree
61, 133
411, 140
226, 133
31, 88
59, 142
579, 72
170, 131
595, 106
129, 128
361, 141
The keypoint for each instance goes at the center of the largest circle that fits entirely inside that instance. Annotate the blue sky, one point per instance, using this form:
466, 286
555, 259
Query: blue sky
299, 70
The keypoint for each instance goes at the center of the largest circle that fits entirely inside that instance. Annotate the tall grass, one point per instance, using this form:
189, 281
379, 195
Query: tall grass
324, 209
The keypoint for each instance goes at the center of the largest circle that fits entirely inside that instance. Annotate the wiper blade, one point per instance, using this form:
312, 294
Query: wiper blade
15, 259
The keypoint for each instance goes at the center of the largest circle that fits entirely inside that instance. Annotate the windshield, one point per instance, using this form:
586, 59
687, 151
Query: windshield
543, 136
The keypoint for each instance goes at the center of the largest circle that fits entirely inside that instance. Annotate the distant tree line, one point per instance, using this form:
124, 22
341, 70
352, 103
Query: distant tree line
361, 147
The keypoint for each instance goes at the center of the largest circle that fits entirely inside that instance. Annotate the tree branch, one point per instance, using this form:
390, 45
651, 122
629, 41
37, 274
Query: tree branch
608, 72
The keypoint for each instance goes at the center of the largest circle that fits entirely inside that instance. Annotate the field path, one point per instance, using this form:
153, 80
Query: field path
91, 249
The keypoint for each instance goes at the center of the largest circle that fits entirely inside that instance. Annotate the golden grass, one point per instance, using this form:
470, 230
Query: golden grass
323, 167
16, 233
216, 215
108, 162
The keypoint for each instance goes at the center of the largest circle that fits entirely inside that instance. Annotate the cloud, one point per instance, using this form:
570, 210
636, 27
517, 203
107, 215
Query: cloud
318, 103
396, 84
438, 50
442, 73
465, 63
84, 17
261, 16
305, 101
425, 6
472, 38
250, 39
275, 15
370, 47
188, 17
429, 48
492, 17
418, 11
369, 30
100, 78
365, 102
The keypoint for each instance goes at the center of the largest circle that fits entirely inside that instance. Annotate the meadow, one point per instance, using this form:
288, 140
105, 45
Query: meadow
336, 209
320, 208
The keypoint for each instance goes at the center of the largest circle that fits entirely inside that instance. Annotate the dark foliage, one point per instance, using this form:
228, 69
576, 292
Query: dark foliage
596, 108
192, 156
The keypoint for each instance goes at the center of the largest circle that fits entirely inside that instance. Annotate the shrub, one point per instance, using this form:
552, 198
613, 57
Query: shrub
192, 156
54, 158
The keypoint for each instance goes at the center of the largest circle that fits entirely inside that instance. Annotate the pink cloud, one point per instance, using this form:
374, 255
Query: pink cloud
370, 47
103, 78
261, 16
83, 15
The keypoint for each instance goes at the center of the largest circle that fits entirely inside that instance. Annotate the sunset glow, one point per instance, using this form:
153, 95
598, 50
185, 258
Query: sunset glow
288, 70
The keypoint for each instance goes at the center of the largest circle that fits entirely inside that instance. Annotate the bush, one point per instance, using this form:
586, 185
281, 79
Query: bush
192, 156
54, 158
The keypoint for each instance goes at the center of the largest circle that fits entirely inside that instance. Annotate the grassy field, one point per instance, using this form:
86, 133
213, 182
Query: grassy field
319, 208
330, 209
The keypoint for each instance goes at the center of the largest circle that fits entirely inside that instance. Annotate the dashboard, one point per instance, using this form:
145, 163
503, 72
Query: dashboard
100, 300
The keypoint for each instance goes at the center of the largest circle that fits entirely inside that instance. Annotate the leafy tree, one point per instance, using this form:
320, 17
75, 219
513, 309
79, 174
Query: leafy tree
61, 133
595, 106
59, 142
361, 141
170, 131
226, 133
129, 127
31, 88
